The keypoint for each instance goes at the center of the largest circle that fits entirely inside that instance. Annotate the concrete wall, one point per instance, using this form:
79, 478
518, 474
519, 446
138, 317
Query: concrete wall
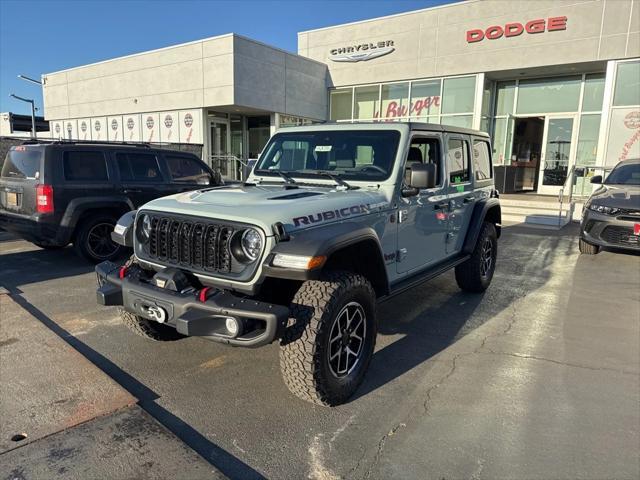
220, 71
432, 42
278, 81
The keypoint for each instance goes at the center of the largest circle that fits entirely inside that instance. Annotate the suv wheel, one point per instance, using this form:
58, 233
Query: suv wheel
328, 344
93, 239
587, 248
475, 274
148, 328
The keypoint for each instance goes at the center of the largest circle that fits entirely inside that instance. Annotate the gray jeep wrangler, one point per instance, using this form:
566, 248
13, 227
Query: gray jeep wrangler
333, 219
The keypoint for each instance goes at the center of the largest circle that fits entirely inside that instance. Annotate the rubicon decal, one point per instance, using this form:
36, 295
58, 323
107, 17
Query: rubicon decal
331, 215
515, 29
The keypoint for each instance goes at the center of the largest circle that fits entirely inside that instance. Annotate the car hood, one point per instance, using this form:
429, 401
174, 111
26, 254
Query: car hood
618, 196
264, 205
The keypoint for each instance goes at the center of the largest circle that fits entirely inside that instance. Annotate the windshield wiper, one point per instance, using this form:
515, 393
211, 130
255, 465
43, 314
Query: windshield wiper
336, 178
286, 175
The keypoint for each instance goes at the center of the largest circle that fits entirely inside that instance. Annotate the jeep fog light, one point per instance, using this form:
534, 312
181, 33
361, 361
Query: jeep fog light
233, 326
298, 262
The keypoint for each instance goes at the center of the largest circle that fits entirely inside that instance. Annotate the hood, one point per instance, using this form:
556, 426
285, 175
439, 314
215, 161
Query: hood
264, 205
618, 196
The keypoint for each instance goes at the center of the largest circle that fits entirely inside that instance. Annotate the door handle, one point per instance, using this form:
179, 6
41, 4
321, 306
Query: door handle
468, 199
132, 190
440, 206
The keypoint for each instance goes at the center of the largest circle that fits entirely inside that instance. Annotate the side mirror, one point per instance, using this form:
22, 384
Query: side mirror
422, 175
596, 179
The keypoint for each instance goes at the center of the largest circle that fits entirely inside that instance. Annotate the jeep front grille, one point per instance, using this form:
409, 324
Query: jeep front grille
202, 246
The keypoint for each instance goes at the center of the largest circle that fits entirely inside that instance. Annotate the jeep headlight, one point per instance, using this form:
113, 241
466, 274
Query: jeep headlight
143, 228
247, 245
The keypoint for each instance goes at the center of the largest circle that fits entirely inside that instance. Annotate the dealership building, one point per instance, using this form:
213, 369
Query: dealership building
555, 82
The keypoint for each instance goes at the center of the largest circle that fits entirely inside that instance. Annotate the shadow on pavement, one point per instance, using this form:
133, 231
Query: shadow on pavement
227, 463
434, 316
38, 265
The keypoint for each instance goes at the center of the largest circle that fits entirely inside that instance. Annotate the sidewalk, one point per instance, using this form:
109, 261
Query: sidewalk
61, 415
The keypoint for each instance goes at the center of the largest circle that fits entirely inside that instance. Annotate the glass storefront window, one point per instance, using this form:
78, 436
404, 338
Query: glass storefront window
484, 124
259, 131
588, 140
395, 99
486, 98
627, 88
458, 94
366, 103
340, 104
497, 142
593, 92
458, 120
505, 92
549, 95
425, 98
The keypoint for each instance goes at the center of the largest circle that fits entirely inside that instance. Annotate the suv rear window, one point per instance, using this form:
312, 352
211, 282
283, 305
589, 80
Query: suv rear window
23, 162
85, 166
140, 167
186, 170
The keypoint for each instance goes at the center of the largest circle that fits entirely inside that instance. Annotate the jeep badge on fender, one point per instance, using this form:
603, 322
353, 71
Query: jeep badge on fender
333, 219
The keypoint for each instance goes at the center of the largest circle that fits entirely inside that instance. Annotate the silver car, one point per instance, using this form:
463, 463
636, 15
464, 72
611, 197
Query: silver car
611, 216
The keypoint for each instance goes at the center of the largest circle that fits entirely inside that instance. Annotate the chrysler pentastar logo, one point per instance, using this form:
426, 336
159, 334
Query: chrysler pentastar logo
361, 52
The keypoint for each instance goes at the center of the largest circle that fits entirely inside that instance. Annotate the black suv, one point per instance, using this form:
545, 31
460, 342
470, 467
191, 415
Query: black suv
53, 194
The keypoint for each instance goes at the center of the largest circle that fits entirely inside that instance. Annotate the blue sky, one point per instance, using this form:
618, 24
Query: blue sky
39, 37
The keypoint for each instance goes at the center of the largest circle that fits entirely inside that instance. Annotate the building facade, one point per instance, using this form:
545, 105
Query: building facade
555, 82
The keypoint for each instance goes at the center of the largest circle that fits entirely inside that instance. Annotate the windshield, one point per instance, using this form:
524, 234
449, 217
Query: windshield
22, 162
366, 155
625, 174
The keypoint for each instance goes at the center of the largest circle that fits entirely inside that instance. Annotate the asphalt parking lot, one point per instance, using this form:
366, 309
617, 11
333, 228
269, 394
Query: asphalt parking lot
537, 378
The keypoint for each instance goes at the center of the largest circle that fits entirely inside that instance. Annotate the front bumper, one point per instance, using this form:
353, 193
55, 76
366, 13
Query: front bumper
262, 322
609, 231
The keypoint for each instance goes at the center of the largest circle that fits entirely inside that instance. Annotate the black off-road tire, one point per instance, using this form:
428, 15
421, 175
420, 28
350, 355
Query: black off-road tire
305, 346
588, 248
473, 275
81, 241
148, 328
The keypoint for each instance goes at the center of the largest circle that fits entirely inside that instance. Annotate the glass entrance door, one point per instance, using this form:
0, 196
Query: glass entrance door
558, 153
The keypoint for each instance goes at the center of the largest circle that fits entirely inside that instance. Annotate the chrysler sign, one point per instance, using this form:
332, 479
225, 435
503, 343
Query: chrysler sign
514, 29
361, 52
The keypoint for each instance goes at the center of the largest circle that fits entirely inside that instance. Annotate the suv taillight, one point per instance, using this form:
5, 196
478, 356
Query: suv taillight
44, 198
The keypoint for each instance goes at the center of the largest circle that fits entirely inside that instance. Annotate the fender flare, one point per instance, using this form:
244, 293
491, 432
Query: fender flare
320, 241
78, 206
480, 211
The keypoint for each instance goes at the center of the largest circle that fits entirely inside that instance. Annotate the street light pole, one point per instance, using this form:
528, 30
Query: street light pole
29, 79
33, 113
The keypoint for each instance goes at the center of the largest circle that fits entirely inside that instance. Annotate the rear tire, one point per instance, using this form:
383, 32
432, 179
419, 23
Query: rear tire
148, 328
328, 344
93, 239
587, 248
475, 274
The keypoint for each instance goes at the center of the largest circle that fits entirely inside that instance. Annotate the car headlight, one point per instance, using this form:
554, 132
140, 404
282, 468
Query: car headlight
603, 209
143, 228
246, 245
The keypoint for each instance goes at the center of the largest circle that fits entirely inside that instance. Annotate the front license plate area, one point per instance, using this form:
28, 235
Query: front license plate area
149, 308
